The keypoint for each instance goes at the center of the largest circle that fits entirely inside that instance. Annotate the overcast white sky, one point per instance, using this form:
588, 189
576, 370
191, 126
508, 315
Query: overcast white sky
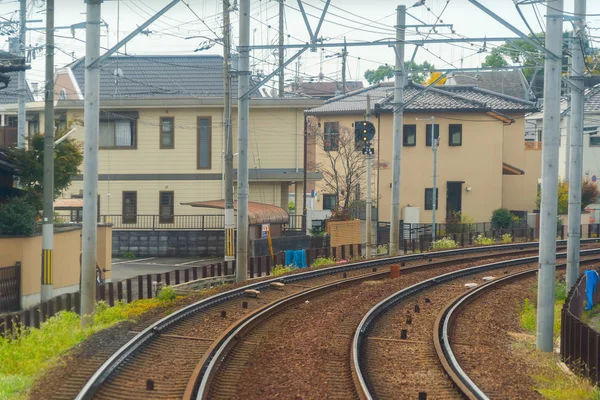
357, 20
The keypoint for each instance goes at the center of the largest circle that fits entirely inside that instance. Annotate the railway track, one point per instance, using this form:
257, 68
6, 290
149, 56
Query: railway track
397, 333
158, 361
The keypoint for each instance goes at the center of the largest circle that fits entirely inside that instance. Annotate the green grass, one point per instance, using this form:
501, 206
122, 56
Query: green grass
323, 262
551, 381
281, 269
27, 356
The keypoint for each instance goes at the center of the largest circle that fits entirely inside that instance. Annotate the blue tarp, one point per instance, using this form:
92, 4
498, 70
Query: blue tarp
296, 258
590, 287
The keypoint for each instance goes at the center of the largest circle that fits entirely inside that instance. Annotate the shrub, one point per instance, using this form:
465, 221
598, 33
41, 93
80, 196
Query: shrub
501, 218
444, 244
291, 206
458, 222
323, 262
383, 249
167, 294
484, 241
281, 269
340, 214
17, 217
129, 254
507, 238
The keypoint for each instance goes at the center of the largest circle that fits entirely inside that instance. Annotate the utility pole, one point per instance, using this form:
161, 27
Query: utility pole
281, 51
90, 160
22, 118
434, 146
397, 138
369, 218
344, 56
576, 122
241, 271
229, 217
48, 183
304, 167
548, 212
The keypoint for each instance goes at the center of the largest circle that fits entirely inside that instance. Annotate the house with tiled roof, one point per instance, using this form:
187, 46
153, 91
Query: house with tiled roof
511, 83
161, 135
482, 161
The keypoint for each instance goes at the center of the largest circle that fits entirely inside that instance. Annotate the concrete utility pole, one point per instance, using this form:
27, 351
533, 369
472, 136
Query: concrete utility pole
91, 114
48, 184
281, 51
22, 118
397, 138
576, 122
344, 56
241, 271
368, 217
548, 212
229, 217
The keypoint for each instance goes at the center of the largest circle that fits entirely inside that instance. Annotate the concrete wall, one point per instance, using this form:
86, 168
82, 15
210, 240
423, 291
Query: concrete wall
168, 243
66, 267
343, 232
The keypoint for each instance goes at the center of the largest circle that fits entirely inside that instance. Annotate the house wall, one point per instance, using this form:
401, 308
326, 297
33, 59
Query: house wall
66, 267
478, 162
276, 143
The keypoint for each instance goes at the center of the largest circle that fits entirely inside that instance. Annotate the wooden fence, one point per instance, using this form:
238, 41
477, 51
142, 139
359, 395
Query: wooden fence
579, 343
10, 288
141, 287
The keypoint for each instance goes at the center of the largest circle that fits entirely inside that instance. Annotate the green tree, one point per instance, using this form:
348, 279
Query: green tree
501, 218
30, 166
589, 195
418, 72
494, 60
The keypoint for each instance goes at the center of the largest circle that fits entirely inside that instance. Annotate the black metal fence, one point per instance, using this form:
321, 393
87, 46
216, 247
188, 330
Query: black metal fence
10, 288
162, 222
579, 343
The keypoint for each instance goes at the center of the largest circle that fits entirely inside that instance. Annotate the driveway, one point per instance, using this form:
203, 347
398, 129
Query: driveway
124, 268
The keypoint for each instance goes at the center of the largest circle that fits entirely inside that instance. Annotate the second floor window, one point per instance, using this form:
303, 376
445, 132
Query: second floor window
594, 141
167, 132
455, 138
117, 134
428, 134
204, 143
409, 135
331, 136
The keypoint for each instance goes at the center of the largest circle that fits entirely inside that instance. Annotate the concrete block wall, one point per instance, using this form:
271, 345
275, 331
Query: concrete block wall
168, 243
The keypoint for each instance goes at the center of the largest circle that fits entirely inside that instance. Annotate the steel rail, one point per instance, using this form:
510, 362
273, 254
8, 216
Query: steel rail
207, 368
362, 384
126, 351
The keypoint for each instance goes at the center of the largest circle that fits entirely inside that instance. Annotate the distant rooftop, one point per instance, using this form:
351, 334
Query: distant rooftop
326, 90
160, 76
511, 83
438, 98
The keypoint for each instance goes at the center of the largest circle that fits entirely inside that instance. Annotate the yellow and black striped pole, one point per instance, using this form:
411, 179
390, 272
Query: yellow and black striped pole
47, 267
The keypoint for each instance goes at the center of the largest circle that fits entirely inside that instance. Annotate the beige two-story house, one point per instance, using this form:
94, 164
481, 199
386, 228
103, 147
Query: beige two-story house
161, 135
482, 163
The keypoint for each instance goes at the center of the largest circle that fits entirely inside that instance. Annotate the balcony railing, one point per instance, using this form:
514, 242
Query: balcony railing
533, 145
165, 222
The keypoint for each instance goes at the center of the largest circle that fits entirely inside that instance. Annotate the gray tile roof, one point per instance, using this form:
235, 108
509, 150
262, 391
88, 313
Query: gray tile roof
592, 100
10, 95
143, 77
510, 83
439, 98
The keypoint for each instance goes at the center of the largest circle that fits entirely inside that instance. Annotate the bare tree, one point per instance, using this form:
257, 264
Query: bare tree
340, 161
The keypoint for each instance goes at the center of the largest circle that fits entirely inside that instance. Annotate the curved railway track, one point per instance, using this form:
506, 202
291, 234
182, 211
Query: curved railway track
406, 320
174, 344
